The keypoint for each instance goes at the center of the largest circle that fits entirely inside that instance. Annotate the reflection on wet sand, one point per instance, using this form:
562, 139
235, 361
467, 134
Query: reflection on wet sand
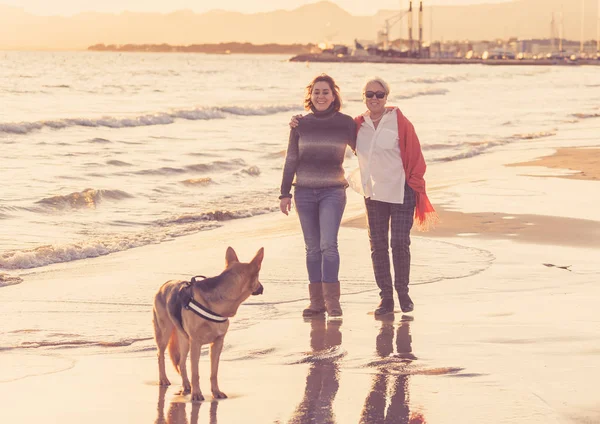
177, 411
398, 408
322, 381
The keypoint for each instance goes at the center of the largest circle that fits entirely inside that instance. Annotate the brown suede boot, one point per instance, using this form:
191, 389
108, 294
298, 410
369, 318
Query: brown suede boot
331, 294
317, 303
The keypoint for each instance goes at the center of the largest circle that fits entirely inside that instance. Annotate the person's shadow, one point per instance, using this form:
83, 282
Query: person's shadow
398, 408
322, 381
177, 413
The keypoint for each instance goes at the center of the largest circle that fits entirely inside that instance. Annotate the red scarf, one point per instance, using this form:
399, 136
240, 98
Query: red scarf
414, 168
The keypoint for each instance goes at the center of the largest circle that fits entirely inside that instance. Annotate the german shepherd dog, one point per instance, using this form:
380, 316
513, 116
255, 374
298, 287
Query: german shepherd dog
188, 315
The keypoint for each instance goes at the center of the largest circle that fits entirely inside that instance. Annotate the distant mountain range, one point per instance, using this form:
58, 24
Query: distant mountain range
314, 23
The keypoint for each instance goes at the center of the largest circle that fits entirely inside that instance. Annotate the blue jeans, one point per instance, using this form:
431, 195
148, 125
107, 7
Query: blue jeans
320, 211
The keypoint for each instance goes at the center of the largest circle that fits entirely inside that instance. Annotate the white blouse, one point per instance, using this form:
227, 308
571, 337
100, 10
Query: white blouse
381, 170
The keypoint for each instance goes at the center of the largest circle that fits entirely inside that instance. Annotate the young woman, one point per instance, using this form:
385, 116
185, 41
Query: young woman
313, 163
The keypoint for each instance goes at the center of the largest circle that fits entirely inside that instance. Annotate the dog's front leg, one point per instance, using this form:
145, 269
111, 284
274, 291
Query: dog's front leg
215, 355
184, 346
195, 359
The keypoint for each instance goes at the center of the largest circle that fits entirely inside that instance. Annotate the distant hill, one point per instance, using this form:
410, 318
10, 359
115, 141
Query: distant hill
313, 23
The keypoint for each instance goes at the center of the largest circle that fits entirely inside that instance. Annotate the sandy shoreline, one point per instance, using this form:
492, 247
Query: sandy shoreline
584, 162
537, 229
495, 337
529, 228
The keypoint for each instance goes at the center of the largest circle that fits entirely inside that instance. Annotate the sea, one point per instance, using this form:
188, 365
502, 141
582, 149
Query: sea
123, 170
104, 152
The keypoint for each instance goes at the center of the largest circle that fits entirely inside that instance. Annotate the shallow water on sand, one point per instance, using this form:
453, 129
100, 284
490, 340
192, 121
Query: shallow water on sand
44, 319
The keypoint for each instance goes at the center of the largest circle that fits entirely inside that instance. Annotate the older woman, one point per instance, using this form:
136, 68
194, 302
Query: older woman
391, 179
391, 169
315, 155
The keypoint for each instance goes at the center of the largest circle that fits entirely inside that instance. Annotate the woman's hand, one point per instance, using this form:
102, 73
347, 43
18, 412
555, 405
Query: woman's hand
295, 120
285, 205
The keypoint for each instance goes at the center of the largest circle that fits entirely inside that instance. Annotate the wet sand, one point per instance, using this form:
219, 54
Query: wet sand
583, 162
538, 229
502, 332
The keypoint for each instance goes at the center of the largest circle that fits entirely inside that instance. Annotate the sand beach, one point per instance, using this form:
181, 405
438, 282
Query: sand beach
504, 329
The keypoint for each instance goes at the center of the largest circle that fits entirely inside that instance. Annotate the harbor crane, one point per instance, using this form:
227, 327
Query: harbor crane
393, 20
389, 23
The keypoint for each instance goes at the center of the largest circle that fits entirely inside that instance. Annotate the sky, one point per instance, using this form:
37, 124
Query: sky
71, 7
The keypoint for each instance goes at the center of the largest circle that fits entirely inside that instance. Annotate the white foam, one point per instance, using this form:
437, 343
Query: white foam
437, 79
419, 93
162, 230
161, 118
9, 280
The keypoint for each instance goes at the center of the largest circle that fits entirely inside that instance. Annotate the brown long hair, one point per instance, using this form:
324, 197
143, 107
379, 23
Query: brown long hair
337, 101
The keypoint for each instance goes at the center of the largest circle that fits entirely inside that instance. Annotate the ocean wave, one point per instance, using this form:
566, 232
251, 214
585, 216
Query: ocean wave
119, 87
160, 231
253, 171
472, 149
117, 163
436, 79
258, 110
20, 91
198, 182
276, 155
218, 165
99, 140
161, 118
165, 170
59, 253
585, 115
218, 215
430, 92
9, 280
439, 146
70, 343
533, 136
475, 148
7, 208
88, 198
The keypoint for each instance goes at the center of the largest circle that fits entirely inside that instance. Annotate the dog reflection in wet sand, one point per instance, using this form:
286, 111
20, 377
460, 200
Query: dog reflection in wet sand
177, 411
188, 315
322, 381
398, 410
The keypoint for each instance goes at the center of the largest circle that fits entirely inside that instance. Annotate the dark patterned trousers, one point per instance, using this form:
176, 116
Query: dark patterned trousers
379, 216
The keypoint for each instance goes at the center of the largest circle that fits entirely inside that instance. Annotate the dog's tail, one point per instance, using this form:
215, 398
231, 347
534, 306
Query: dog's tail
174, 352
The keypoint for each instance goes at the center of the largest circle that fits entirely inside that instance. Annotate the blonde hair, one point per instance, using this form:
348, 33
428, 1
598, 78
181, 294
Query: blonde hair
379, 81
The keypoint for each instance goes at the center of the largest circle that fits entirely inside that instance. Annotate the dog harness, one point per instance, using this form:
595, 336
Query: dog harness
201, 310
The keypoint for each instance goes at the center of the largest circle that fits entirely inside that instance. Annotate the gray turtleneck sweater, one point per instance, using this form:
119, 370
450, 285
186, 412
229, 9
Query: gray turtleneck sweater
316, 151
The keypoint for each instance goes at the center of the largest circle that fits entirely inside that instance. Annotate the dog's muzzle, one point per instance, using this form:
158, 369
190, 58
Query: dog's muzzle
259, 290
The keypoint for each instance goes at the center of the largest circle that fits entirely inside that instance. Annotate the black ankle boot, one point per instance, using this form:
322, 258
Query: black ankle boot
386, 306
406, 303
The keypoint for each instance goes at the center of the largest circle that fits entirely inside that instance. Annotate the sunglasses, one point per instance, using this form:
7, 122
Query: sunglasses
378, 94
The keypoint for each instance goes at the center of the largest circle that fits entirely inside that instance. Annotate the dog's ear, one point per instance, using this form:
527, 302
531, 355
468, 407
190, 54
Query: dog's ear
258, 258
230, 256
